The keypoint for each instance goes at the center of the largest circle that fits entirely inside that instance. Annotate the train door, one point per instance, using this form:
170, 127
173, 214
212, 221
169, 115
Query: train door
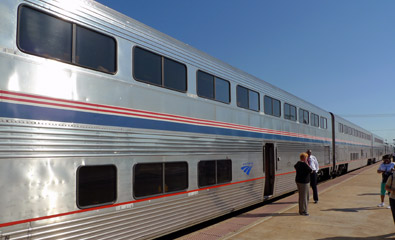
269, 168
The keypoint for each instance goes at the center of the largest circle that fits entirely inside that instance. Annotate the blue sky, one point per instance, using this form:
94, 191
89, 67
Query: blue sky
336, 54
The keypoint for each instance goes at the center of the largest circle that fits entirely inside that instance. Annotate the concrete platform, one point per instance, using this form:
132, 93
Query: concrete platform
347, 209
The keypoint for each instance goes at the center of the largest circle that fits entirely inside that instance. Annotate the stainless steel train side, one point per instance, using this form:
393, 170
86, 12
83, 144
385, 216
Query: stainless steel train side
61, 119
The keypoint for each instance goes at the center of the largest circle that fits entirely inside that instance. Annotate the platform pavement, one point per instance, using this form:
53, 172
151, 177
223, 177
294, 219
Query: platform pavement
347, 209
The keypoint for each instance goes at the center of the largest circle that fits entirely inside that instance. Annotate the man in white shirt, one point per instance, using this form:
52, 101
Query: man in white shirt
312, 160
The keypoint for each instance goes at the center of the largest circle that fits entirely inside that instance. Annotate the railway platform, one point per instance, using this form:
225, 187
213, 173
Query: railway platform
347, 209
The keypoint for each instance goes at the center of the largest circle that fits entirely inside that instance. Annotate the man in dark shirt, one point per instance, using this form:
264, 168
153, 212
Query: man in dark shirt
302, 180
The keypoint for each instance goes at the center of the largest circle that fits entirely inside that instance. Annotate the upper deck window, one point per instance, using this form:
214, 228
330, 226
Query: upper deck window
303, 116
315, 120
289, 112
247, 98
155, 69
272, 106
47, 36
211, 87
324, 123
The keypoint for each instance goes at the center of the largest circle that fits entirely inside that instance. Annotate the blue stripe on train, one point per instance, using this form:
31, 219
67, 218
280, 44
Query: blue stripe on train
12, 110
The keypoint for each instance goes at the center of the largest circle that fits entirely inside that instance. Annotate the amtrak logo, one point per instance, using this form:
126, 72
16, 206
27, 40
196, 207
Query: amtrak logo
247, 167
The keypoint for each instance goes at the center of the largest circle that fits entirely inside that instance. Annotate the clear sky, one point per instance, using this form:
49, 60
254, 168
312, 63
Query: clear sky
336, 54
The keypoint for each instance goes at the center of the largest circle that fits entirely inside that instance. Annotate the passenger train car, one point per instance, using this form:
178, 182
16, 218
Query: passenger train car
110, 129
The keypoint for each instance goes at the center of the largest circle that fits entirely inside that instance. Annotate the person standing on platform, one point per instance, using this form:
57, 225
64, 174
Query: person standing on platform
386, 170
390, 187
313, 163
302, 180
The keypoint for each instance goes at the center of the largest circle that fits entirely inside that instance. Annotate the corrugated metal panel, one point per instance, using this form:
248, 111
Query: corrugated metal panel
154, 218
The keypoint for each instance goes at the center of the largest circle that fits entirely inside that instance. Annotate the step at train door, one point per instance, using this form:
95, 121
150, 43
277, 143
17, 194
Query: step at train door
269, 169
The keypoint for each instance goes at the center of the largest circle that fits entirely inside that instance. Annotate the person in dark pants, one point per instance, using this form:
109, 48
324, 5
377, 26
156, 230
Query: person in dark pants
390, 187
313, 163
302, 180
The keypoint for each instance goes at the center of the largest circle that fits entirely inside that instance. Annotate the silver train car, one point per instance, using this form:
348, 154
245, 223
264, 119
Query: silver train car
110, 129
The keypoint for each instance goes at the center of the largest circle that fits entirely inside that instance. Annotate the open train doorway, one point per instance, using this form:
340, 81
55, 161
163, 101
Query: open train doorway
269, 168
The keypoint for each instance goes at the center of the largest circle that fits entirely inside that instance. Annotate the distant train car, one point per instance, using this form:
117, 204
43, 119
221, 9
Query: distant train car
110, 129
352, 146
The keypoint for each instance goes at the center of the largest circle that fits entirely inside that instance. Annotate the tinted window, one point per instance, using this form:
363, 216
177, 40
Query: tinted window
224, 171
207, 173
315, 120
276, 108
148, 179
175, 75
242, 97
324, 123
303, 116
272, 106
222, 90
50, 37
253, 100
214, 172
96, 185
44, 35
289, 112
95, 50
147, 66
268, 105
176, 176
205, 85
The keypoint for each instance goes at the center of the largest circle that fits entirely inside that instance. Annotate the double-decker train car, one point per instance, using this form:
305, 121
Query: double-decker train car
110, 129
352, 146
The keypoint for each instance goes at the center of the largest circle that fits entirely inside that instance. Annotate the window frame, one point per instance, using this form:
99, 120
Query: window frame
325, 121
216, 172
162, 70
74, 26
272, 106
163, 180
248, 98
305, 113
78, 190
289, 107
315, 120
213, 87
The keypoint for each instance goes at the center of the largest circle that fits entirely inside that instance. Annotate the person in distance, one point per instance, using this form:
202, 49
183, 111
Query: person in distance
302, 180
386, 171
390, 187
313, 163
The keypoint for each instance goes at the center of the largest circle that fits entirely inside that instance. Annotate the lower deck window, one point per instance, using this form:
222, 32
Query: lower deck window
214, 172
96, 185
159, 178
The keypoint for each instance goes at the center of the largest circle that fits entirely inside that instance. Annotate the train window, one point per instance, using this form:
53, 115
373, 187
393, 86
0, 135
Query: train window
224, 171
152, 68
315, 120
176, 176
50, 37
159, 178
214, 172
324, 123
96, 185
147, 66
44, 35
148, 179
211, 87
175, 75
247, 98
303, 116
205, 85
222, 90
272, 106
289, 112
95, 50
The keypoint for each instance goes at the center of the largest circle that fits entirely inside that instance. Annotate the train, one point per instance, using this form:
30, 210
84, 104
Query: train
110, 129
